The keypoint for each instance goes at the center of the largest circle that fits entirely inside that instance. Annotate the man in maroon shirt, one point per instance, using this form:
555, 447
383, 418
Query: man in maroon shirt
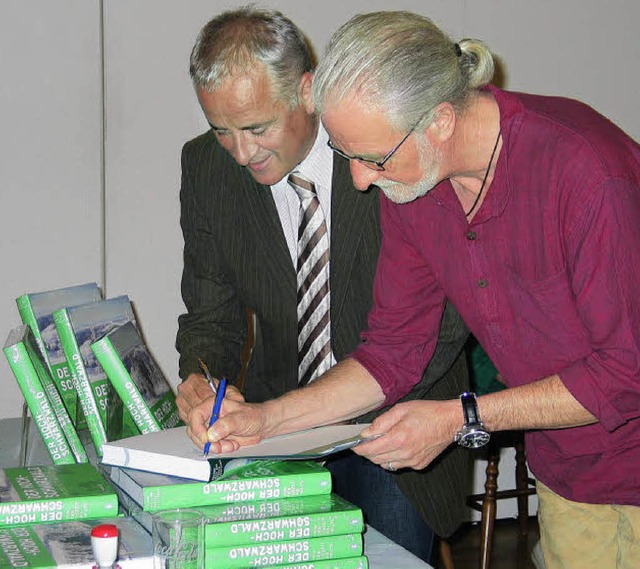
524, 211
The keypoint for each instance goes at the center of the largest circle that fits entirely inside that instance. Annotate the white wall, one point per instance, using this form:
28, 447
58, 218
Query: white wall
586, 49
50, 117
50, 155
151, 112
577, 48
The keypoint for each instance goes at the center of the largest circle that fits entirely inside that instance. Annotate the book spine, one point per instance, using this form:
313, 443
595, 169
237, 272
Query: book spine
21, 547
58, 509
79, 454
39, 405
360, 562
59, 371
59, 409
321, 524
28, 317
285, 552
125, 386
242, 490
81, 379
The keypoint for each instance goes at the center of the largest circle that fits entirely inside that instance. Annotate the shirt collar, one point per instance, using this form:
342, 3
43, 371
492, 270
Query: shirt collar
314, 165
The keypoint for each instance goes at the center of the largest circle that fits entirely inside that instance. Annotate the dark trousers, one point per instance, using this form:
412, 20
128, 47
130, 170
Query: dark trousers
383, 504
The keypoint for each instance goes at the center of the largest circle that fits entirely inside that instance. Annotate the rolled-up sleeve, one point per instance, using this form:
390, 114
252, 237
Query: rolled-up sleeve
604, 258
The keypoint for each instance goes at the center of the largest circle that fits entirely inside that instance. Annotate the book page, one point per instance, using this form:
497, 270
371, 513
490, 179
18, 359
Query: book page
312, 443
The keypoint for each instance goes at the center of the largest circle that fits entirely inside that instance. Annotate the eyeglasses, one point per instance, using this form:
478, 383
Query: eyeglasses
377, 165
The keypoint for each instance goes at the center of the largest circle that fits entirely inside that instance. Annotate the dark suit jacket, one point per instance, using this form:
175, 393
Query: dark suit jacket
236, 257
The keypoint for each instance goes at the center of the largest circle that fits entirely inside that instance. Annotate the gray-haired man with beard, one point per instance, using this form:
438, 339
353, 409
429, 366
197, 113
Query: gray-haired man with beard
523, 211
252, 74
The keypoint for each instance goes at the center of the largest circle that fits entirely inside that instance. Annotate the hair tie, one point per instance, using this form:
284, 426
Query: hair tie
456, 47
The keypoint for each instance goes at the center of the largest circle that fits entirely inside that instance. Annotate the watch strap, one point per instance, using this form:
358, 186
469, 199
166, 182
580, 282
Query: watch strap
469, 408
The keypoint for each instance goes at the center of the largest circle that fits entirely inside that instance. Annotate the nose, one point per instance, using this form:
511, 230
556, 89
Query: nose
243, 148
362, 176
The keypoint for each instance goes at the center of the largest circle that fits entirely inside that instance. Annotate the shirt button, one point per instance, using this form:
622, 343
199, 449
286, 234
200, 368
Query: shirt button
482, 283
471, 235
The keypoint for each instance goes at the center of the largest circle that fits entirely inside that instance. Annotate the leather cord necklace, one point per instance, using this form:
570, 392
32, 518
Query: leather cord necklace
486, 175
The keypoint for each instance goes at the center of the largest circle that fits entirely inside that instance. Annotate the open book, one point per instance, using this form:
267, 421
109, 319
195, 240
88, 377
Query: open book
172, 452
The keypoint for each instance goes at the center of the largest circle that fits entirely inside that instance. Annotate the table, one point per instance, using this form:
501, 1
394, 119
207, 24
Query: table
386, 554
380, 550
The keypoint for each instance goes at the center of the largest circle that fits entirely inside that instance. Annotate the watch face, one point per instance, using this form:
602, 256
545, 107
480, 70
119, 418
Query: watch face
474, 439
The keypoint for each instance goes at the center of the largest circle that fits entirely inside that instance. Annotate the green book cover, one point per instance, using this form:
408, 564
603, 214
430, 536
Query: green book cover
259, 480
137, 379
244, 523
68, 544
43, 494
36, 309
16, 350
285, 552
79, 327
280, 520
360, 562
76, 446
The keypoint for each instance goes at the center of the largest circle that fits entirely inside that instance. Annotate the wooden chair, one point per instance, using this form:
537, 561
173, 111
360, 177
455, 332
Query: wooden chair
446, 557
247, 348
486, 502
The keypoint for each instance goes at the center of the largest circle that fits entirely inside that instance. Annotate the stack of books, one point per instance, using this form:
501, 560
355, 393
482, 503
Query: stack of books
85, 372
94, 390
47, 513
266, 513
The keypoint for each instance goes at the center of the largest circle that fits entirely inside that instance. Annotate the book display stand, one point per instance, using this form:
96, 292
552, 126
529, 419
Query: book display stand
24, 434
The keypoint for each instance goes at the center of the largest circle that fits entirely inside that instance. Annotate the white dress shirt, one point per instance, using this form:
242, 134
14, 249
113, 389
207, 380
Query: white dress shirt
317, 167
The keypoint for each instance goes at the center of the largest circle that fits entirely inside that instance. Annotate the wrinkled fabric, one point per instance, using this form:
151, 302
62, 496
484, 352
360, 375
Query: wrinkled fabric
546, 276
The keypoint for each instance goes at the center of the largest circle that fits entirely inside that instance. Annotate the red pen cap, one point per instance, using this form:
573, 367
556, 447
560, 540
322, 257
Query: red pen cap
105, 530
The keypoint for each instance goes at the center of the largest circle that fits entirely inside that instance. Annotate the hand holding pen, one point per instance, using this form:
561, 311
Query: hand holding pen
219, 393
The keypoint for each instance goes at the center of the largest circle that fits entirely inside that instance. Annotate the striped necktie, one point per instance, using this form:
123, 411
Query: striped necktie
314, 329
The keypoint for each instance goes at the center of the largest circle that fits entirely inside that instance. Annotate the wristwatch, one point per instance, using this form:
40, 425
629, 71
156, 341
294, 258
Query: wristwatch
473, 433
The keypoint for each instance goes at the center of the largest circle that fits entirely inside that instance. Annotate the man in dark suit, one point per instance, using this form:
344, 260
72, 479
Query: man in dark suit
252, 71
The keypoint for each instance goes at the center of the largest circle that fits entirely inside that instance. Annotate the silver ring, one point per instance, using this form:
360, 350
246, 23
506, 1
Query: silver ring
390, 466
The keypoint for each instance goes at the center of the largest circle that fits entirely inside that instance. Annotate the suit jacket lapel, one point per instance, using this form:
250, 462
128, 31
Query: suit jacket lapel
348, 208
263, 218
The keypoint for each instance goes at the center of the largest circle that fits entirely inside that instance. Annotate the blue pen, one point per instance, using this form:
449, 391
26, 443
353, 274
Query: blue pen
222, 388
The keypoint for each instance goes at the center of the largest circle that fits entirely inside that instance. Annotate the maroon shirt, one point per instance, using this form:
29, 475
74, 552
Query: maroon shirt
546, 276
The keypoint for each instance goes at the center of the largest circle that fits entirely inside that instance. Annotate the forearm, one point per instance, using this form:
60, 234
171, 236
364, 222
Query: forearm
543, 404
345, 392
416, 432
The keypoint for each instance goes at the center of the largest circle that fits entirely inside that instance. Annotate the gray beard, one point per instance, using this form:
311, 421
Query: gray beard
404, 193
401, 193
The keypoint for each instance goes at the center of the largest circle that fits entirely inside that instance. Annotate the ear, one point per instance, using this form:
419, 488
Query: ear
444, 122
305, 94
